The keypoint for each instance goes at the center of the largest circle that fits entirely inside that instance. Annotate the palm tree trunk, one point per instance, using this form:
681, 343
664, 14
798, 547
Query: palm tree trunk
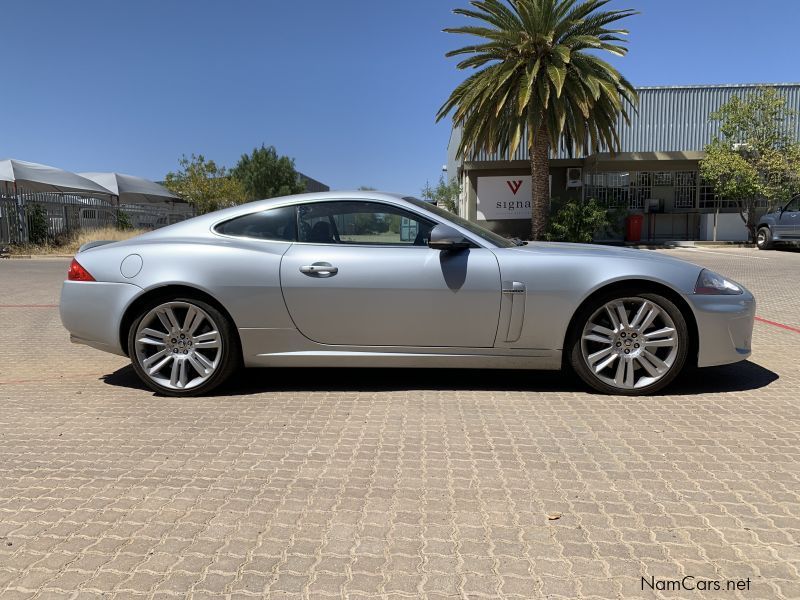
540, 185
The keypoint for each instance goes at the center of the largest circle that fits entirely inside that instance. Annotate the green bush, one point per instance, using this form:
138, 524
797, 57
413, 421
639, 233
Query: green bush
123, 221
617, 220
37, 224
578, 220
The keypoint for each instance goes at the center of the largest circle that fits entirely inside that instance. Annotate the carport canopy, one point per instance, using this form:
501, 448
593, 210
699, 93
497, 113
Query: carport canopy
131, 189
35, 177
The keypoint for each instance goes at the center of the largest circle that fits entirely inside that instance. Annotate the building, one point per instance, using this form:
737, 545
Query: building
655, 173
312, 185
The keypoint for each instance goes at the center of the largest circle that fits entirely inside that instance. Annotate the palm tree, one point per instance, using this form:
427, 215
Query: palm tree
539, 71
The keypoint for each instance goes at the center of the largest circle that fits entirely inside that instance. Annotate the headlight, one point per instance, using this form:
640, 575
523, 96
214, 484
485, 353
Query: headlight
711, 283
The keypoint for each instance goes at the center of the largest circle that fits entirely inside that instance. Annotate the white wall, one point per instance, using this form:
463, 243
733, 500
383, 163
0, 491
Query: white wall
730, 227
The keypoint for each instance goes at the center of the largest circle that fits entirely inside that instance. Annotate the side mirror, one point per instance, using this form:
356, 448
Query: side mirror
443, 237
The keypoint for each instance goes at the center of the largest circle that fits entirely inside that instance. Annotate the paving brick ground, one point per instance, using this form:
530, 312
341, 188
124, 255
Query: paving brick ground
395, 484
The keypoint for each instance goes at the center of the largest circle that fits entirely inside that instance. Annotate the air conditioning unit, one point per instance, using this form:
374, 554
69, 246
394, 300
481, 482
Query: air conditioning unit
574, 177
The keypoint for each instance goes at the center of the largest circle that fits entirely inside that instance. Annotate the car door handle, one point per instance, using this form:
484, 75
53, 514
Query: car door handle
319, 269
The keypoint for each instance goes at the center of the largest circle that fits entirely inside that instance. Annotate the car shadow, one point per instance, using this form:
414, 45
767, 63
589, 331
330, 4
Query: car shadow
729, 378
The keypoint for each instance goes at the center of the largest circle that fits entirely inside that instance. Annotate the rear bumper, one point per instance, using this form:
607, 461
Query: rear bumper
92, 312
725, 327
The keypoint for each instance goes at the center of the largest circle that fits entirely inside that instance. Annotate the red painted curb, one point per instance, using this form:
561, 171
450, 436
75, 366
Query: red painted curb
781, 325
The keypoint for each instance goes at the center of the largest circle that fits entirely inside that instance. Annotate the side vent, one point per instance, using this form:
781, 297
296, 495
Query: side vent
514, 294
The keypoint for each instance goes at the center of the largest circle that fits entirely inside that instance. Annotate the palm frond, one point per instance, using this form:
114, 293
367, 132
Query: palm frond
537, 69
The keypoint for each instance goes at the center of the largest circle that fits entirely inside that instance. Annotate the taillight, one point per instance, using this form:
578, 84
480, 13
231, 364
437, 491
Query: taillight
78, 273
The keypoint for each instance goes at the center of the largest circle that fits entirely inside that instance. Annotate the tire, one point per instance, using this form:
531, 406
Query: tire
764, 239
192, 365
610, 357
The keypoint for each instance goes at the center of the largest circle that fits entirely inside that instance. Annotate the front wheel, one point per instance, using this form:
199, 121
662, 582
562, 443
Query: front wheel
629, 344
764, 239
183, 347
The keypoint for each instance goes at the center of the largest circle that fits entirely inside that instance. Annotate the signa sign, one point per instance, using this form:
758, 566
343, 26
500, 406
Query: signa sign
504, 198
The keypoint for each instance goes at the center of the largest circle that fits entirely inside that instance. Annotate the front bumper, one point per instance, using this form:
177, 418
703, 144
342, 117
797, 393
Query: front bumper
725, 327
92, 312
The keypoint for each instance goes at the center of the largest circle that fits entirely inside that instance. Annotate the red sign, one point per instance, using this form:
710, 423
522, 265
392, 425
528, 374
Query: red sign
514, 186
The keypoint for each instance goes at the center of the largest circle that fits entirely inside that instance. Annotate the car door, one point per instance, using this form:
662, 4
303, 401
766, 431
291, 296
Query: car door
787, 225
362, 274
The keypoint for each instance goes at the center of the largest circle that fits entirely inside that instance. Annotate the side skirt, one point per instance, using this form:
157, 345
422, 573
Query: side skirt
287, 348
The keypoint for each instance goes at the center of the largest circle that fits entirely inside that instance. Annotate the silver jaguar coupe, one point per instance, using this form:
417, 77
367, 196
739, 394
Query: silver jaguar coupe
366, 279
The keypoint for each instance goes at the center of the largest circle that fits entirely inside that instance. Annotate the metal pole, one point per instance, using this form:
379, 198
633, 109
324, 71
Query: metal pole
21, 225
716, 215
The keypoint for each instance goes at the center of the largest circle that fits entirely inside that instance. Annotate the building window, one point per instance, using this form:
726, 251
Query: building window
662, 178
610, 188
685, 189
708, 196
710, 200
619, 189
641, 189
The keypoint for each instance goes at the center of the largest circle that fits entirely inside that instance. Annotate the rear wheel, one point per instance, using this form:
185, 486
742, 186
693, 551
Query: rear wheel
629, 344
764, 239
183, 347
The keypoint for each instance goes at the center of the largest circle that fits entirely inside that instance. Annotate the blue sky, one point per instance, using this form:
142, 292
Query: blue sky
349, 89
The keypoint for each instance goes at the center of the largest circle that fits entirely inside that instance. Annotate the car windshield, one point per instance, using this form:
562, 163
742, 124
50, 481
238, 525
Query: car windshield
484, 234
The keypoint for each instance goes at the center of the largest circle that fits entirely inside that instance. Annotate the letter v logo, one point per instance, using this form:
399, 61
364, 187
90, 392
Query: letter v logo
514, 186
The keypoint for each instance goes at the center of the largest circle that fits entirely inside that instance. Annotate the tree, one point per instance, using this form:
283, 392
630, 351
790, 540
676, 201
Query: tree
264, 174
577, 221
204, 184
756, 156
538, 71
445, 194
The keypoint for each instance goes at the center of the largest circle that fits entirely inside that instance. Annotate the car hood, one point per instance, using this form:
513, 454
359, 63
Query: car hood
598, 251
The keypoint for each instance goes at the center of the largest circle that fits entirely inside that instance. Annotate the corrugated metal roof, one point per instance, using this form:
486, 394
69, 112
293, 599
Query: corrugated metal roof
673, 118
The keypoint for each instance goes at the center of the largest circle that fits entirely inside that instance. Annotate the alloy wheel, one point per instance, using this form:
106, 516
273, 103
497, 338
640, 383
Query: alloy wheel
178, 345
630, 343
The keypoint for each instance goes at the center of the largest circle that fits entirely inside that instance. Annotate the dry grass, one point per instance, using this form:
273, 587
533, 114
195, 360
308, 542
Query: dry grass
108, 234
77, 240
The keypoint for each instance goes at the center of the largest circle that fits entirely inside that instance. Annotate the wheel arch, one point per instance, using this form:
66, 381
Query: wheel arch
640, 285
166, 292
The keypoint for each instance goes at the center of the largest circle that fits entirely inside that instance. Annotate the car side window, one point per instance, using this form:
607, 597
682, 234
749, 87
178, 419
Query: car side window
276, 224
793, 206
361, 222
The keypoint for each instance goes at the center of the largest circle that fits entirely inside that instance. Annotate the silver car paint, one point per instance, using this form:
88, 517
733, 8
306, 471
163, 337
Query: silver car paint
468, 322
92, 312
412, 296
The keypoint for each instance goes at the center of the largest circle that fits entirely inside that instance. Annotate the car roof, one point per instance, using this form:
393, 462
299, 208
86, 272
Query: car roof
202, 224
323, 196
258, 205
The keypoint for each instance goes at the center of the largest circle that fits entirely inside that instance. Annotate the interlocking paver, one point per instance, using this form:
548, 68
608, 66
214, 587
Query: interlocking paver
394, 484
